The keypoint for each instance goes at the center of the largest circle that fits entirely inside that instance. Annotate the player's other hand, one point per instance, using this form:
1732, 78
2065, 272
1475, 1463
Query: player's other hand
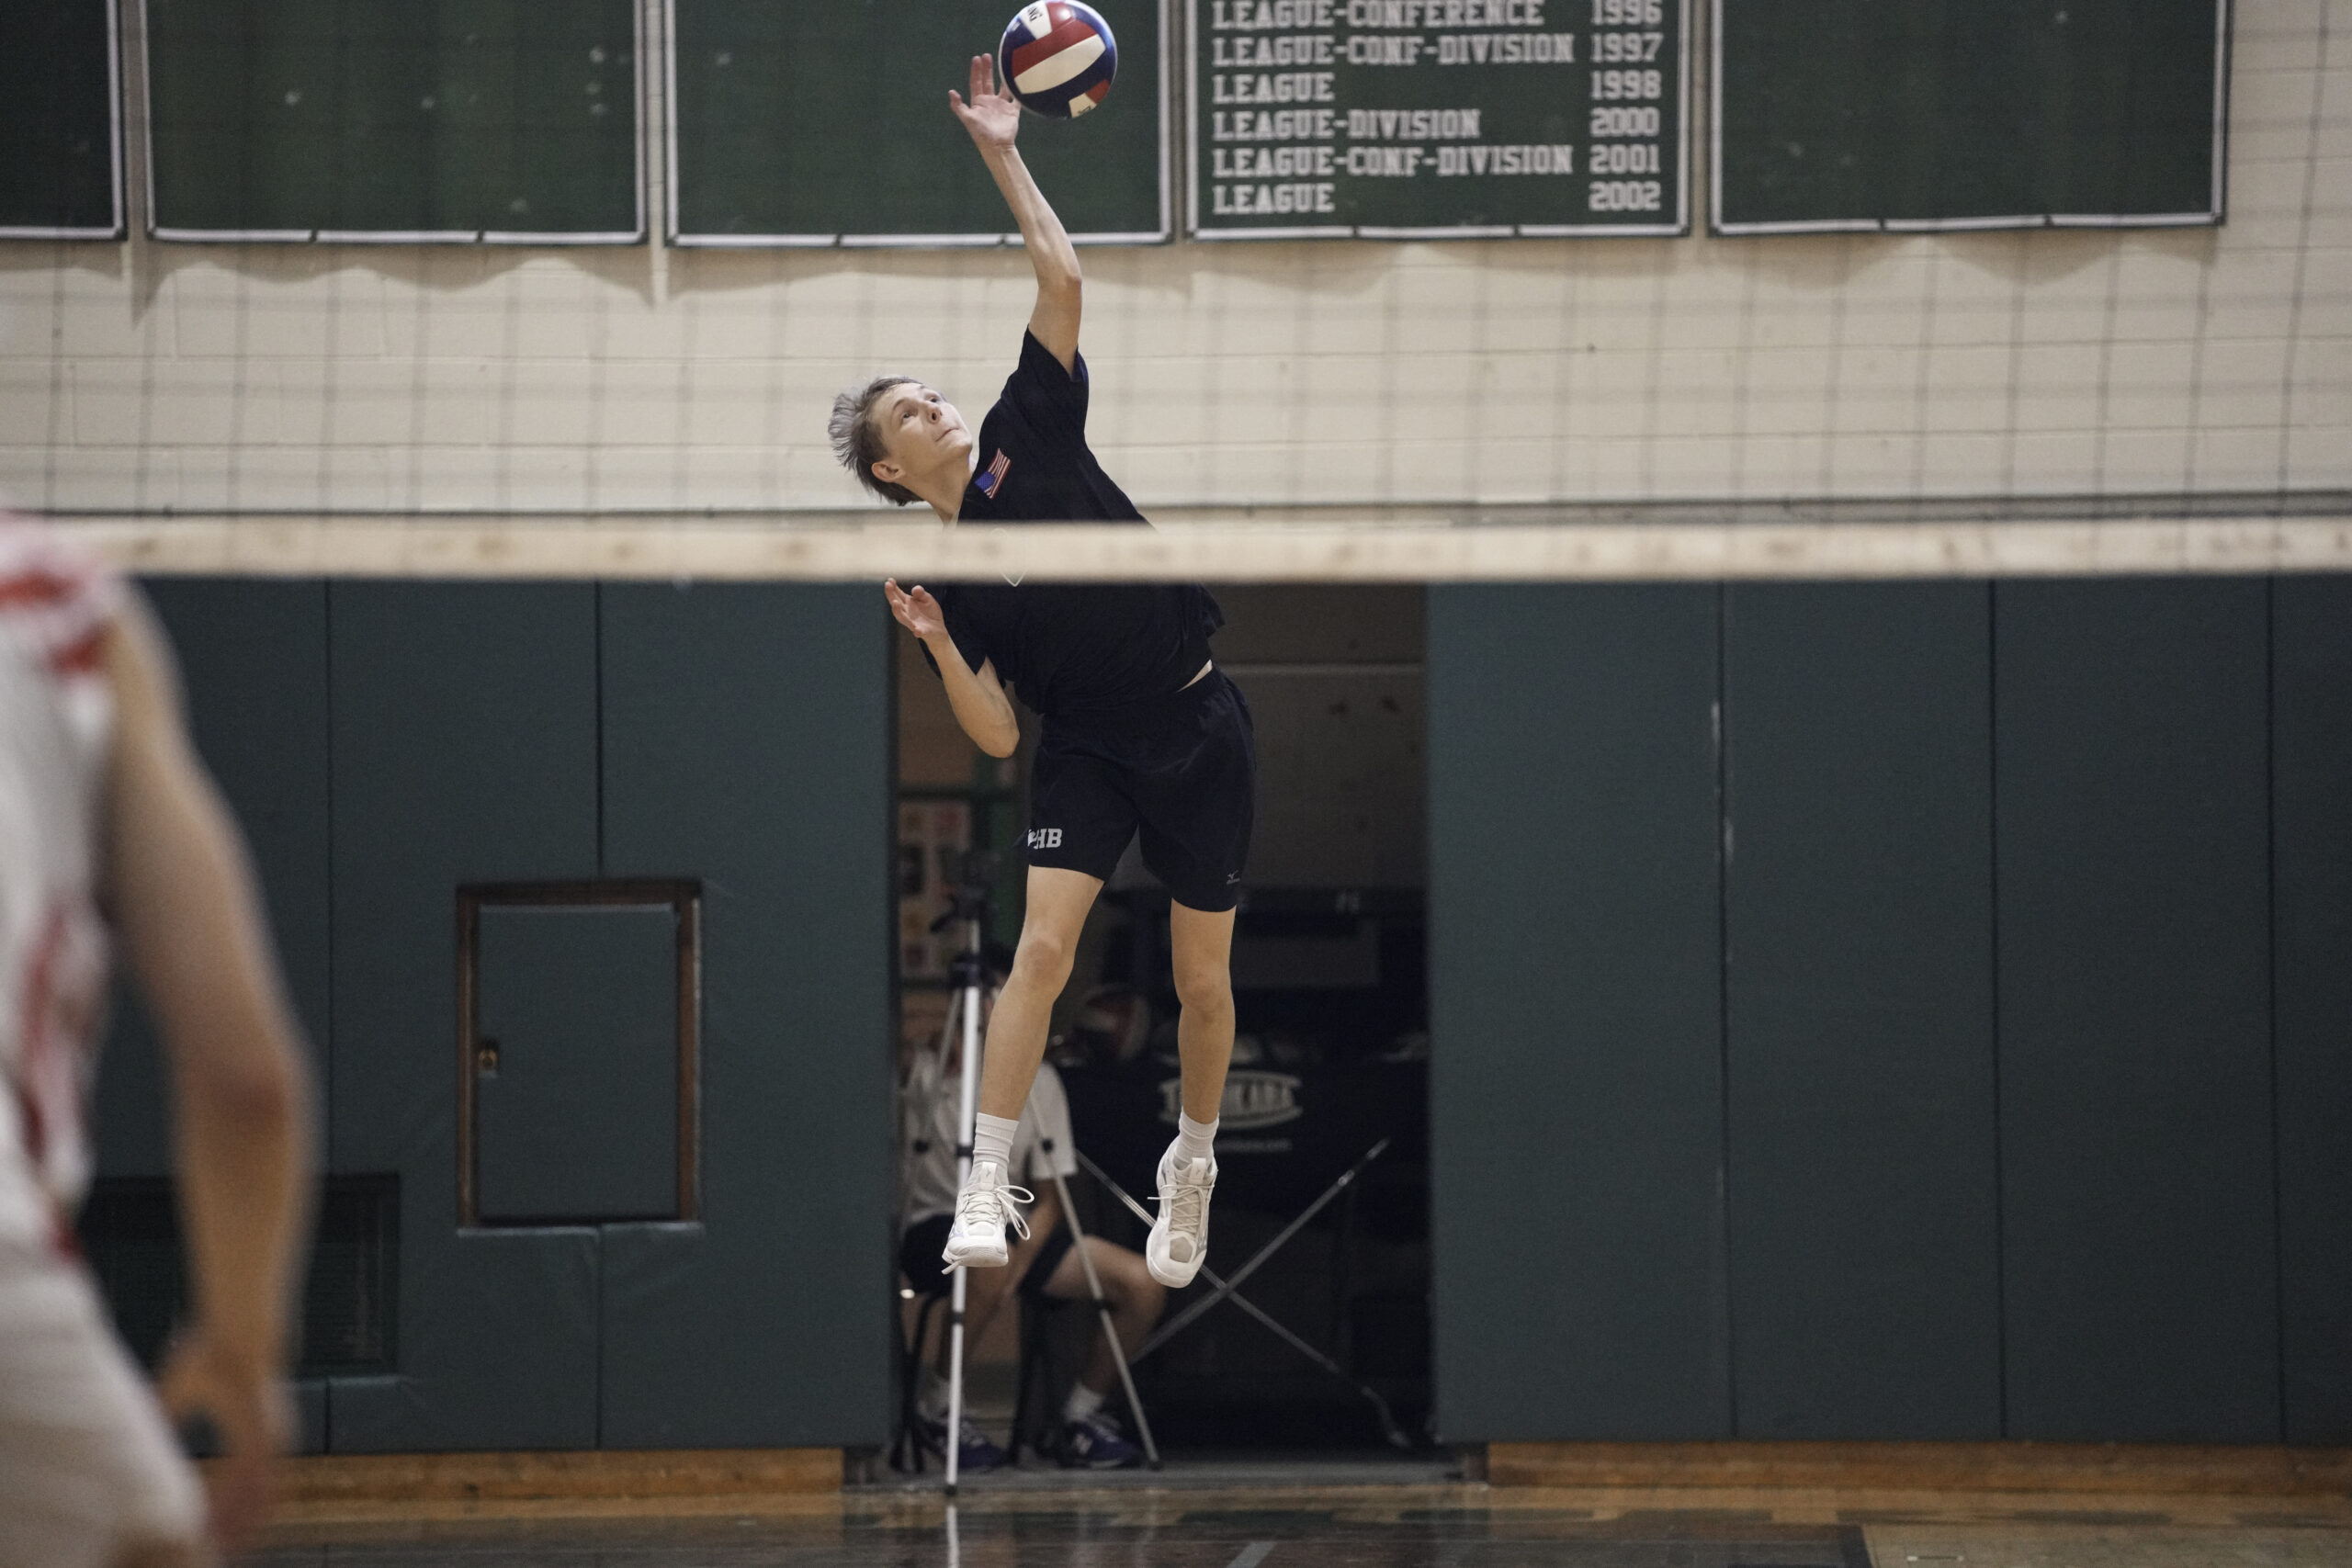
247, 1404
992, 117
916, 610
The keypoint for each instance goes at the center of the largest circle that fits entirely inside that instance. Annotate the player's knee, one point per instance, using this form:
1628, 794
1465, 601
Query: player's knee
1204, 983
1044, 958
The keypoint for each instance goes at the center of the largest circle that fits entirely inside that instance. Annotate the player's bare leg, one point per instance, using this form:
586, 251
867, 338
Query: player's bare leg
1201, 940
1058, 900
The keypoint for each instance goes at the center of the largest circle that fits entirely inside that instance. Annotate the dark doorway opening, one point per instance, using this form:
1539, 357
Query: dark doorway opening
1331, 1051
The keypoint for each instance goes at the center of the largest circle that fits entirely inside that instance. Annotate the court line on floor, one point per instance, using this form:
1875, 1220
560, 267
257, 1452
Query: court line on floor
1253, 1554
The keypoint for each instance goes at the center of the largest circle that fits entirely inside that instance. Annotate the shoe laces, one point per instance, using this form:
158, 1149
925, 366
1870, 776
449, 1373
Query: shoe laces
994, 1204
1187, 1205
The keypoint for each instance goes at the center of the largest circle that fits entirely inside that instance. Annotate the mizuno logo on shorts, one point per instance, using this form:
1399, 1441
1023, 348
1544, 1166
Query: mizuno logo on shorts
1044, 837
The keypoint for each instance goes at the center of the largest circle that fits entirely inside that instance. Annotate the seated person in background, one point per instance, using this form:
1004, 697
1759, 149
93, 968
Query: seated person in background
1043, 1263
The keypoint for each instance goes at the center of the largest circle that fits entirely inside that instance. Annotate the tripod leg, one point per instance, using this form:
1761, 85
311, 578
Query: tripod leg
955, 1443
968, 1001
1103, 1312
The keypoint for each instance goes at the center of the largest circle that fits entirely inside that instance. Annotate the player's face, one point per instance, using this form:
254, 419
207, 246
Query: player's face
921, 430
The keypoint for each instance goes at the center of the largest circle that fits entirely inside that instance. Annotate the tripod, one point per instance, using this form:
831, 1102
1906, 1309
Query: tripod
968, 976
968, 903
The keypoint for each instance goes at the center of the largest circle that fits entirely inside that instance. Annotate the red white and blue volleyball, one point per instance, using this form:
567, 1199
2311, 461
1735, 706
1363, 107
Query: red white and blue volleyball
1058, 58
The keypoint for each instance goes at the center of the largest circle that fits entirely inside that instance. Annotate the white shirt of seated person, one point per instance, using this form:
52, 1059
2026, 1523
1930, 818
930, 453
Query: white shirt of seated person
928, 1103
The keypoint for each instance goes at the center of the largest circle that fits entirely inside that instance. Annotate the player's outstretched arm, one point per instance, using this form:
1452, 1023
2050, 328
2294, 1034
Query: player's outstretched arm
977, 697
184, 898
993, 117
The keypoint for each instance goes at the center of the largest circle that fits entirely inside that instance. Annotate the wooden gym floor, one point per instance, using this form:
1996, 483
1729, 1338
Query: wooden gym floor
1371, 1515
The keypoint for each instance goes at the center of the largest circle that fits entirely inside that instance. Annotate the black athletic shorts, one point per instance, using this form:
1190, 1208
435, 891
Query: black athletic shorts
1181, 770
919, 1247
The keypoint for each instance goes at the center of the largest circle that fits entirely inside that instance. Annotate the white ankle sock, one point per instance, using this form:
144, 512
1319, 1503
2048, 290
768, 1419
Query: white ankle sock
993, 1139
1082, 1401
1195, 1140
930, 1400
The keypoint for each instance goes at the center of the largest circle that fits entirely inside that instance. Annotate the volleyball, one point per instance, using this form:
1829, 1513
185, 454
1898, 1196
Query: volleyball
1057, 57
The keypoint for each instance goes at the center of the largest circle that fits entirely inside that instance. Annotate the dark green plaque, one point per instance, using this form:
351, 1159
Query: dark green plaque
388, 120
794, 123
60, 140
1435, 119
1929, 114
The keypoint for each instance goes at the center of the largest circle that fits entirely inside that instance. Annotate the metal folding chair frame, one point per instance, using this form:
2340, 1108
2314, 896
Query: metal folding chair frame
1229, 1289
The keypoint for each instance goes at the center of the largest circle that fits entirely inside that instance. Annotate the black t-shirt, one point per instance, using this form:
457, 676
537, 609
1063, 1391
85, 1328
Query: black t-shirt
1073, 650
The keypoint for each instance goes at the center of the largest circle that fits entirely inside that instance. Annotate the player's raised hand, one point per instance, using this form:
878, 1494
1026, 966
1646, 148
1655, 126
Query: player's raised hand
916, 611
992, 117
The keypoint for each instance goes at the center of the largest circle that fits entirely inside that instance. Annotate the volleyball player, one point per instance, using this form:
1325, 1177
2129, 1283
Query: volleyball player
1142, 733
103, 806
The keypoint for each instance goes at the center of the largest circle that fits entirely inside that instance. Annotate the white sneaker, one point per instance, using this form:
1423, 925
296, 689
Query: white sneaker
987, 1204
1179, 1244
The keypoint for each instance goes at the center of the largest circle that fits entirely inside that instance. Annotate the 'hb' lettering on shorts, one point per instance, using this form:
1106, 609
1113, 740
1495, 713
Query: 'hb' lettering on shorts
1181, 777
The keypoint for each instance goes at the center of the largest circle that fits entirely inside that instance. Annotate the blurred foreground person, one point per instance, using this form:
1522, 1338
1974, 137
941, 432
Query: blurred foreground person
110, 833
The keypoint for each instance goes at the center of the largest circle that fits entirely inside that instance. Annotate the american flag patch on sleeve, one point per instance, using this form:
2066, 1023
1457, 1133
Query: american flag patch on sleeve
993, 475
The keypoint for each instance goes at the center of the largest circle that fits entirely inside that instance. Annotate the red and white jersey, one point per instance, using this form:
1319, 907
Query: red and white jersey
56, 730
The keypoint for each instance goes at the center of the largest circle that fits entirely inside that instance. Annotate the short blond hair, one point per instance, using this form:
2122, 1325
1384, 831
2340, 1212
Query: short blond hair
857, 442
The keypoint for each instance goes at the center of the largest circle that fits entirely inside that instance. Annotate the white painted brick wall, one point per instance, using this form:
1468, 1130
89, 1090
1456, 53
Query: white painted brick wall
146, 377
